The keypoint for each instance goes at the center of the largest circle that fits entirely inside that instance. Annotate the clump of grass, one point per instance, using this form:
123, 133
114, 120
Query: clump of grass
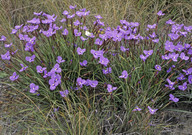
80, 77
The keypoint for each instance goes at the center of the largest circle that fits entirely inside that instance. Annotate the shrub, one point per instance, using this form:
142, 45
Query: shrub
91, 76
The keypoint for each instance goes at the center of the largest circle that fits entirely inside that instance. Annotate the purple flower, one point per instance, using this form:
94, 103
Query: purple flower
169, 70
8, 45
153, 35
155, 40
56, 77
30, 59
104, 61
84, 63
173, 36
152, 111
60, 60
172, 98
143, 57
23, 68
65, 13
14, 77
83, 39
77, 33
148, 53
37, 14
160, 13
45, 74
110, 88
17, 27
64, 93
107, 70
190, 79
72, 7
40, 69
33, 88
56, 68
63, 20
137, 109
158, 67
34, 21
170, 82
170, 22
65, 32
80, 51
183, 87
181, 77
70, 16
14, 31
98, 17
97, 54
152, 26
188, 71
92, 83
98, 41
169, 46
80, 82
6, 56
183, 57
53, 84
179, 47
174, 56
3, 38
124, 74
123, 49
76, 23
